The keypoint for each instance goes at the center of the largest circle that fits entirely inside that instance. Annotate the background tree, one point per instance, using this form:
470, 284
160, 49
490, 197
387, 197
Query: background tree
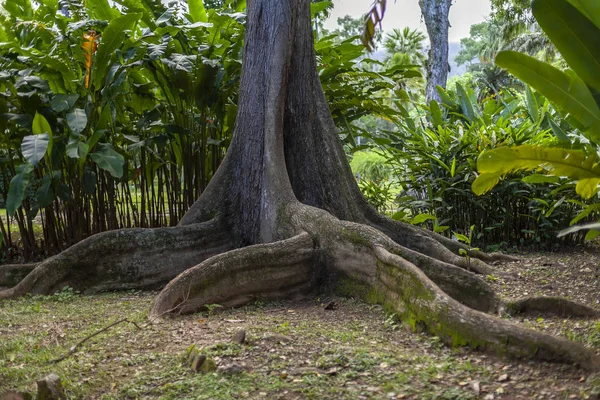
405, 46
435, 14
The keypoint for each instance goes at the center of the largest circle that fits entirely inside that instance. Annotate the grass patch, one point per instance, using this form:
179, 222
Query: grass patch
350, 353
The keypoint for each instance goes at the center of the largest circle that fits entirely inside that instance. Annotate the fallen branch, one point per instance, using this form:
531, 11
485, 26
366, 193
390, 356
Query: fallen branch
74, 348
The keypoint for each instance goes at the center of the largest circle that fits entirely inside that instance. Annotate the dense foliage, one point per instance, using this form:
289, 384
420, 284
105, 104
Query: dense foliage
113, 116
574, 27
117, 115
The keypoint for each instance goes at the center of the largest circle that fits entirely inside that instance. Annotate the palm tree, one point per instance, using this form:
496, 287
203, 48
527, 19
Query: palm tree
405, 46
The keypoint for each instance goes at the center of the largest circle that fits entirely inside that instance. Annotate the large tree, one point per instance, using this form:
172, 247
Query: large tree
283, 217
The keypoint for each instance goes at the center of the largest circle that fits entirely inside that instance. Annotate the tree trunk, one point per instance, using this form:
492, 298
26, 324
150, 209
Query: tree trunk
435, 13
283, 217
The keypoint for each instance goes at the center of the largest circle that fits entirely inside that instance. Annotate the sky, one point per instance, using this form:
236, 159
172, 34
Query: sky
401, 13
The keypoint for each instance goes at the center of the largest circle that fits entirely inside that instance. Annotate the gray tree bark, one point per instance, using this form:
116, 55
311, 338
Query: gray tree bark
435, 13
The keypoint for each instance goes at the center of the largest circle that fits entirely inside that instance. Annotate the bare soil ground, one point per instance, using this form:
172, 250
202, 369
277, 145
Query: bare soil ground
293, 350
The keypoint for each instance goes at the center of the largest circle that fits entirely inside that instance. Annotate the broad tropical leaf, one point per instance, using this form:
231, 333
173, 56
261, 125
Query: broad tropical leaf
109, 160
76, 148
77, 120
465, 103
575, 164
590, 8
574, 35
112, 38
197, 11
101, 9
45, 194
539, 178
63, 102
16, 190
34, 147
40, 125
565, 90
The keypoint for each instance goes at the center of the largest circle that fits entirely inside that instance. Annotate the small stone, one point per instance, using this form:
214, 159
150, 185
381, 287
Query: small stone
476, 387
279, 338
199, 359
50, 388
232, 369
503, 378
208, 365
240, 337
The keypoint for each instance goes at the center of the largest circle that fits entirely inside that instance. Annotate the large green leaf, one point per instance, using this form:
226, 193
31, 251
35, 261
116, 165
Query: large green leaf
76, 148
77, 120
575, 164
45, 193
101, 9
112, 38
34, 147
40, 125
465, 103
590, 8
63, 102
566, 91
320, 6
109, 160
16, 190
575, 36
532, 104
197, 11
557, 130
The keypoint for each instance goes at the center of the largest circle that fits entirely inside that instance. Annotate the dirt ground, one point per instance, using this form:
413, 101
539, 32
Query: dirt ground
293, 350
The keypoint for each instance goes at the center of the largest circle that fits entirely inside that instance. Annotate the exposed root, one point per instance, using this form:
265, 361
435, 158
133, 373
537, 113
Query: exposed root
12, 274
436, 245
270, 271
360, 260
360, 255
557, 306
418, 301
460, 284
124, 259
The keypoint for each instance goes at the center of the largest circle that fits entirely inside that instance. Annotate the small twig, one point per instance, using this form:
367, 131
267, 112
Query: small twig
74, 348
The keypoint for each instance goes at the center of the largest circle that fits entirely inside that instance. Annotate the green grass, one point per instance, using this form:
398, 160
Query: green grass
353, 352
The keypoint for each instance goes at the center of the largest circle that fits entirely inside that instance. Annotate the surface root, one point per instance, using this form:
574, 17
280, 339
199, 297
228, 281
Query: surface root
265, 271
556, 306
124, 259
